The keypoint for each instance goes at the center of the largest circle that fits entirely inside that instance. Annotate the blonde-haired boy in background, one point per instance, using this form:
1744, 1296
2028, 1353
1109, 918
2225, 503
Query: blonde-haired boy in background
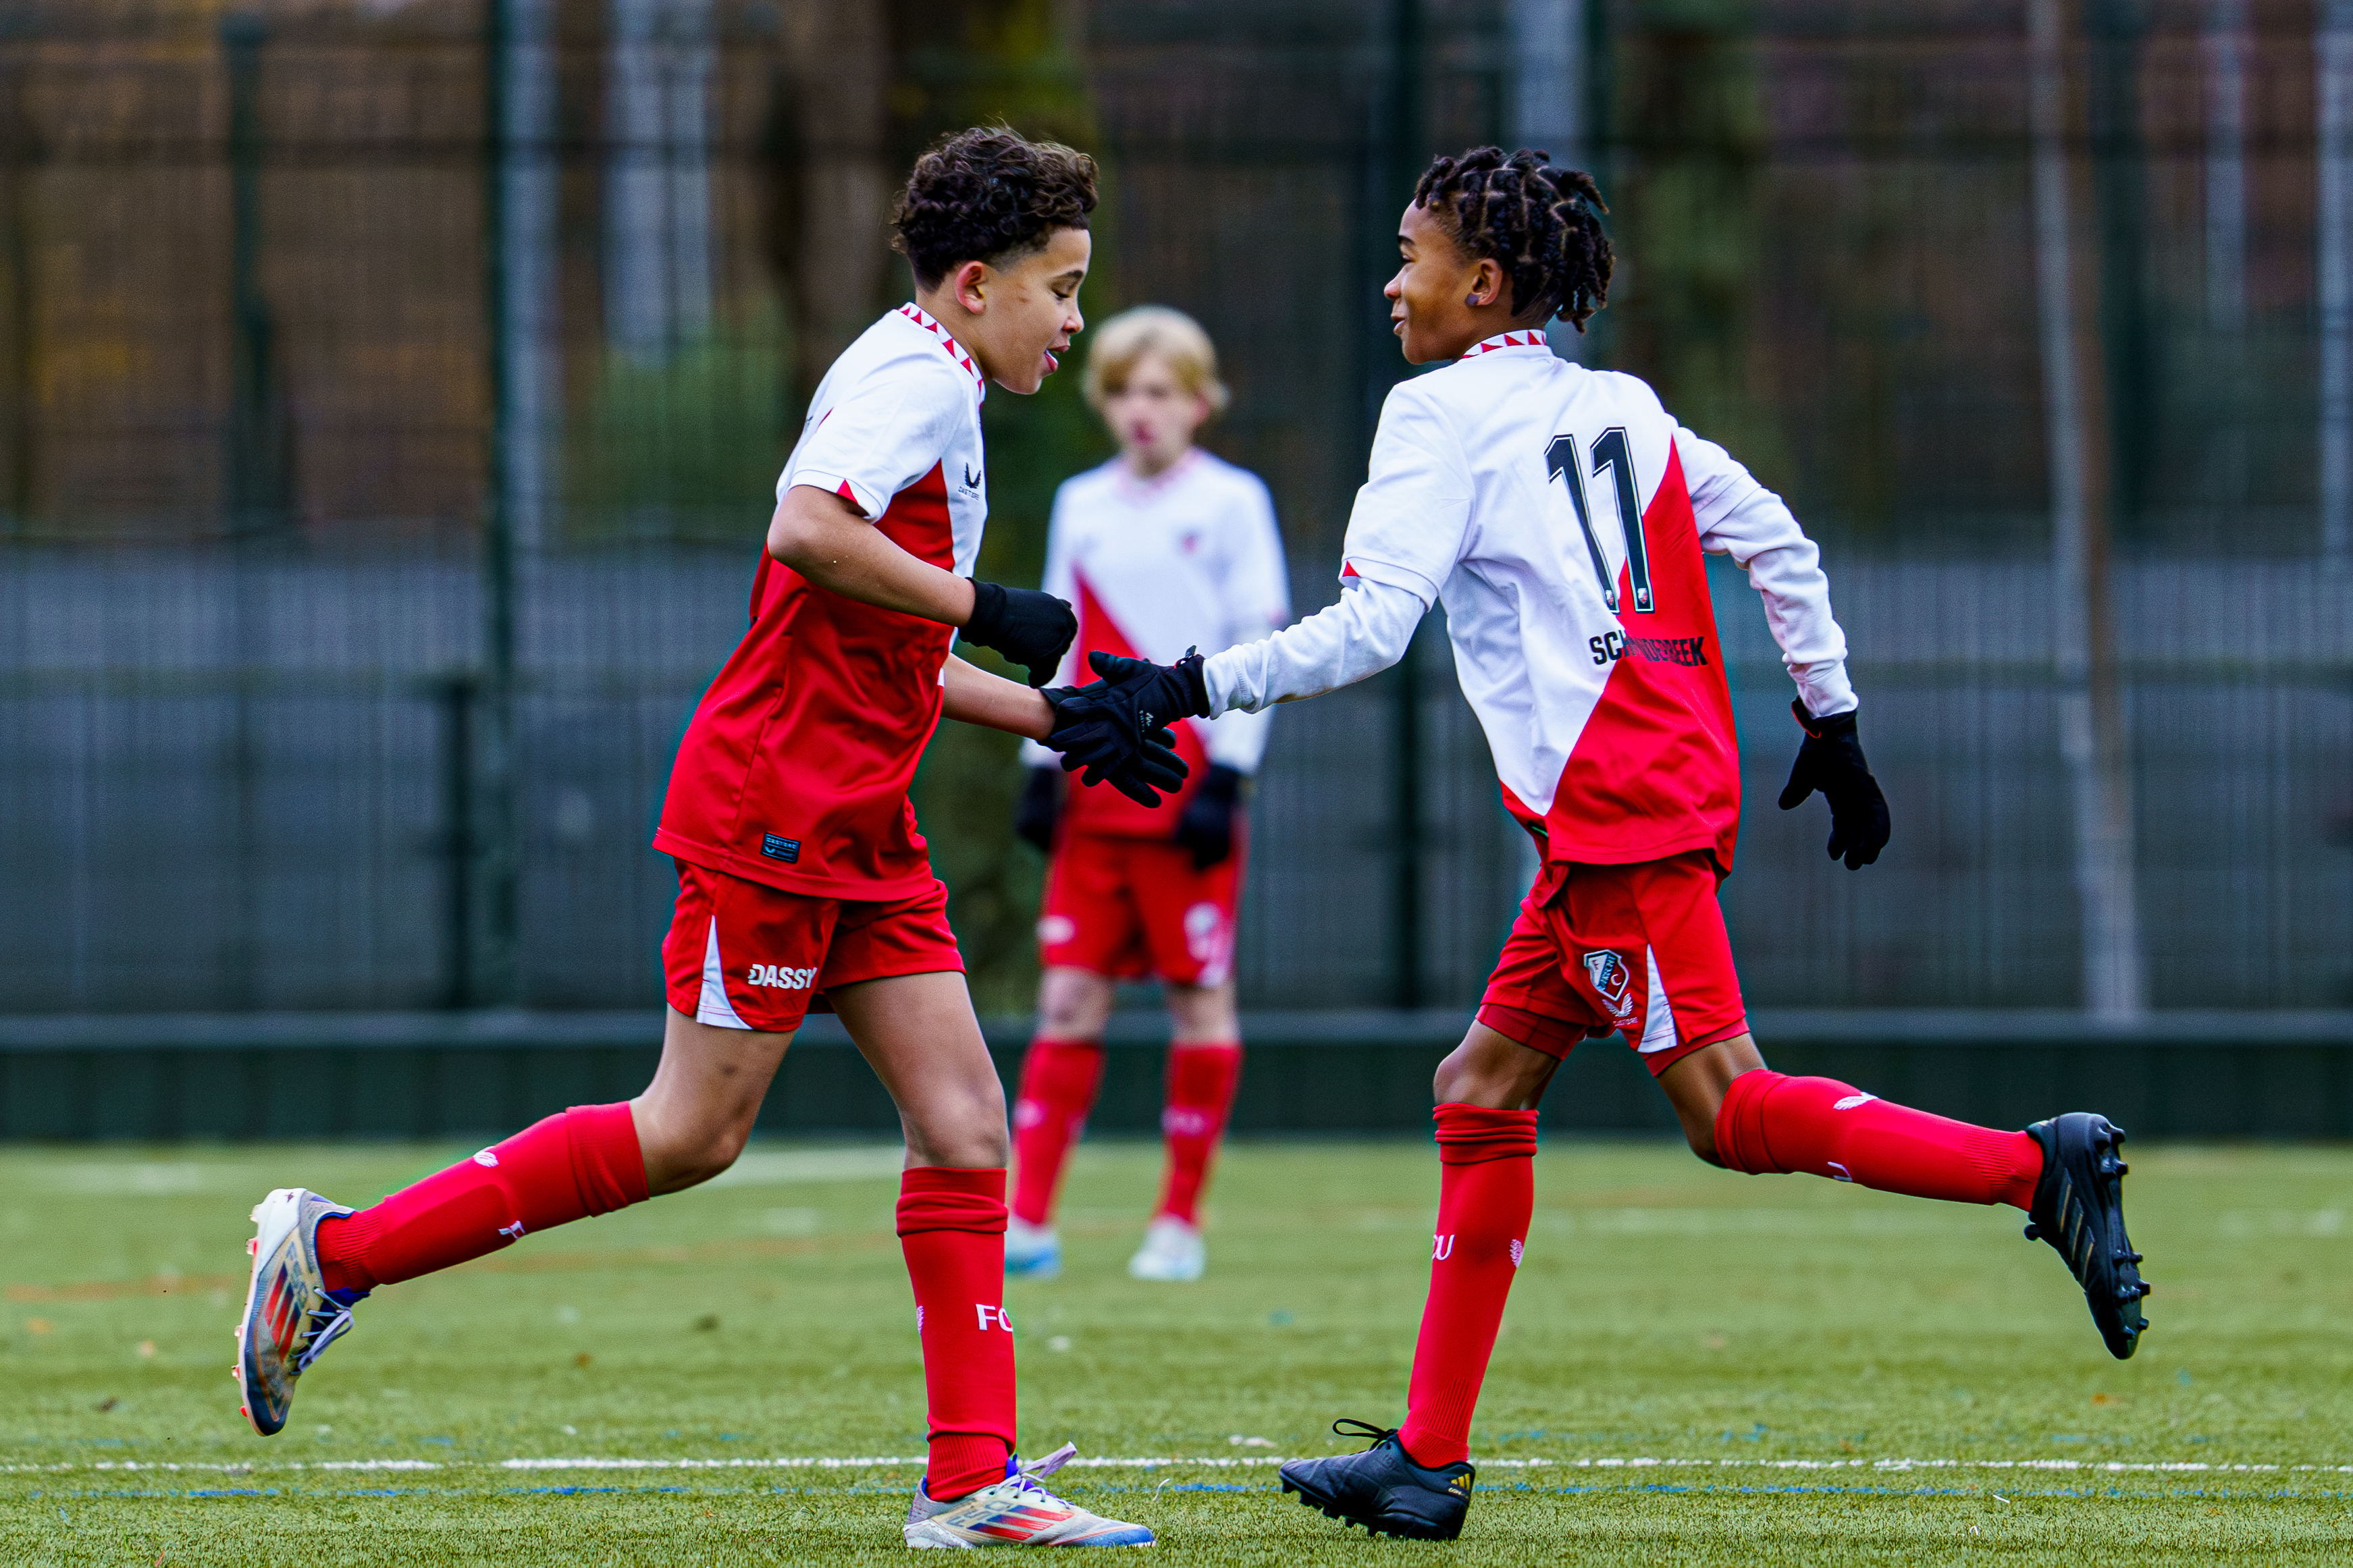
1163, 548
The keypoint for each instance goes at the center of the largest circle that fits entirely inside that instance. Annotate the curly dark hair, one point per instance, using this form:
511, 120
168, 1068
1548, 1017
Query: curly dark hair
1542, 224
989, 194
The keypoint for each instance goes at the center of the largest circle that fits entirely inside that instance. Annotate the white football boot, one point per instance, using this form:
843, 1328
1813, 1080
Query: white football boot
1171, 1250
1031, 1251
289, 1315
1017, 1511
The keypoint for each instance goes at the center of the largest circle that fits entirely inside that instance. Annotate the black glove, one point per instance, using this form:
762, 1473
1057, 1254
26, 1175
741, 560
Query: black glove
1116, 727
1028, 627
1830, 761
1041, 802
1141, 766
1205, 827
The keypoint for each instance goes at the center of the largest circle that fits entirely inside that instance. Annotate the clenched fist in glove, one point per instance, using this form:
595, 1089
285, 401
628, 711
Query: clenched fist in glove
1028, 627
1830, 761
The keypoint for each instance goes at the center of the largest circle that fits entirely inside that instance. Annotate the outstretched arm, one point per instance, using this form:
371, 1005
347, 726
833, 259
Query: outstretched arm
973, 696
1367, 631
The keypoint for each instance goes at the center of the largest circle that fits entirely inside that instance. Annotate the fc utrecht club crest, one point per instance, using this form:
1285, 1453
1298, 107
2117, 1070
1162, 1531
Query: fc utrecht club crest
1609, 974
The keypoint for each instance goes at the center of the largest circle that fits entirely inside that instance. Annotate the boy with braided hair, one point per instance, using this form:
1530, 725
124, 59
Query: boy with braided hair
1562, 516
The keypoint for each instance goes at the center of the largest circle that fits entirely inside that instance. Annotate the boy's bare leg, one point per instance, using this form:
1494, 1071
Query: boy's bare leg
919, 1034
1074, 1003
696, 1116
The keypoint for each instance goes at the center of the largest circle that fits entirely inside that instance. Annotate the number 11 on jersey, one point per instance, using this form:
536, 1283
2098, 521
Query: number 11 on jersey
1611, 452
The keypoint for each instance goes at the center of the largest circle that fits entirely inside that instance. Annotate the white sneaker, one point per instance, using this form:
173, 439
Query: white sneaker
1017, 1511
1031, 1251
1171, 1250
289, 1315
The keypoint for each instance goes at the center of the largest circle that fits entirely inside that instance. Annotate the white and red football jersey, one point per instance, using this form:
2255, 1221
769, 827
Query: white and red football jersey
1188, 558
794, 770
1560, 514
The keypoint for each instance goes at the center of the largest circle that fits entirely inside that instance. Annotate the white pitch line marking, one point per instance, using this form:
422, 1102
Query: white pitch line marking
1213, 1462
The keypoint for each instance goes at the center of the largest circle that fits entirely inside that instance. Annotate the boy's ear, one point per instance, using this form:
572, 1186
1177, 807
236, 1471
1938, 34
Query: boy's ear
967, 281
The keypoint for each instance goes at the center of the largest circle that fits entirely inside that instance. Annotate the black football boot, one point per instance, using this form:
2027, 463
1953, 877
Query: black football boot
1382, 1489
2078, 1208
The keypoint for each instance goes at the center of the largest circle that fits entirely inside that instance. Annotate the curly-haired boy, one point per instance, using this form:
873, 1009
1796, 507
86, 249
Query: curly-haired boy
802, 878
1561, 515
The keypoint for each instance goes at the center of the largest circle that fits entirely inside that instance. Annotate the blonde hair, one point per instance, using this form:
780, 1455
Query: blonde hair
1173, 335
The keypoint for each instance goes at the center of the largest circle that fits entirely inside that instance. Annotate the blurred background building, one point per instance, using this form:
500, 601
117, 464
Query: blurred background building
391, 393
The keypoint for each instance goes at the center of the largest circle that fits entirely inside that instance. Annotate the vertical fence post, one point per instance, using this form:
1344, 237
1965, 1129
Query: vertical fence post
260, 487
257, 496
2091, 707
519, 245
2333, 63
1406, 156
17, 152
456, 698
1548, 101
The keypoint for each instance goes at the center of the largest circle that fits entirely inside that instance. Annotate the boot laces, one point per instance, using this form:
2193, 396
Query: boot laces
1349, 1426
329, 1322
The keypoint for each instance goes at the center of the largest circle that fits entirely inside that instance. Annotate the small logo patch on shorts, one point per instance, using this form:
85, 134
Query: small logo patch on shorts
776, 847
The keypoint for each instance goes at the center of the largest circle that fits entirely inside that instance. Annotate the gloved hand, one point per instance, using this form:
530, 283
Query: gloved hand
1205, 827
1028, 626
1831, 760
1116, 727
1041, 802
1139, 763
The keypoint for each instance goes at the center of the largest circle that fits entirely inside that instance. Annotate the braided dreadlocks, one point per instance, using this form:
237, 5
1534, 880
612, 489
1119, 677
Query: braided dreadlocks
1542, 224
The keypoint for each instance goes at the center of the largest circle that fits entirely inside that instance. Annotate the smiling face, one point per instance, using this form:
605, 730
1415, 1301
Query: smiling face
1442, 301
1016, 321
1153, 415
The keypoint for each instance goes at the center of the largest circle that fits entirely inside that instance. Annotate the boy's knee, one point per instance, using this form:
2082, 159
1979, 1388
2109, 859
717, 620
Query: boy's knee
960, 1129
689, 1157
1477, 1073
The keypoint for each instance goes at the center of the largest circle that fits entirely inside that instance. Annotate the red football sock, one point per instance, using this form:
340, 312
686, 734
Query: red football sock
1201, 1079
1487, 1190
585, 1161
1058, 1080
952, 1229
1772, 1123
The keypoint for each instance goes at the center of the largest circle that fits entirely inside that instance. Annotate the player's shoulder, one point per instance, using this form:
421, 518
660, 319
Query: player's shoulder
913, 359
1629, 389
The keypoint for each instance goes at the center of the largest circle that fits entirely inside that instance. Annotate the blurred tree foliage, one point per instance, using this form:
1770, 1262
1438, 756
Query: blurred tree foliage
1687, 129
1012, 62
678, 445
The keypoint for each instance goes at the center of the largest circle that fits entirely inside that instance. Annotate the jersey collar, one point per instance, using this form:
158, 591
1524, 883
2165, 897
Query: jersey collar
1534, 340
949, 346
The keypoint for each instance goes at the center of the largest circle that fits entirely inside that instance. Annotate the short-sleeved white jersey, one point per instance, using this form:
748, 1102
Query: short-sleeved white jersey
1188, 558
900, 411
1560, 514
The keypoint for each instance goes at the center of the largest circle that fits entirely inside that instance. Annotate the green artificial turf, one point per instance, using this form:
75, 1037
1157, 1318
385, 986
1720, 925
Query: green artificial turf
1667, 1311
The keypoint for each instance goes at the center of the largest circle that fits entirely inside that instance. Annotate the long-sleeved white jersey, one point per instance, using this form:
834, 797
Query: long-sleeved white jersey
1189, 558
1560, 514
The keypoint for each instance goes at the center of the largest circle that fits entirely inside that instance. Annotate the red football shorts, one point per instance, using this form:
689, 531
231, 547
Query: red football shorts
1130, 908
1638, 950
744, 955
